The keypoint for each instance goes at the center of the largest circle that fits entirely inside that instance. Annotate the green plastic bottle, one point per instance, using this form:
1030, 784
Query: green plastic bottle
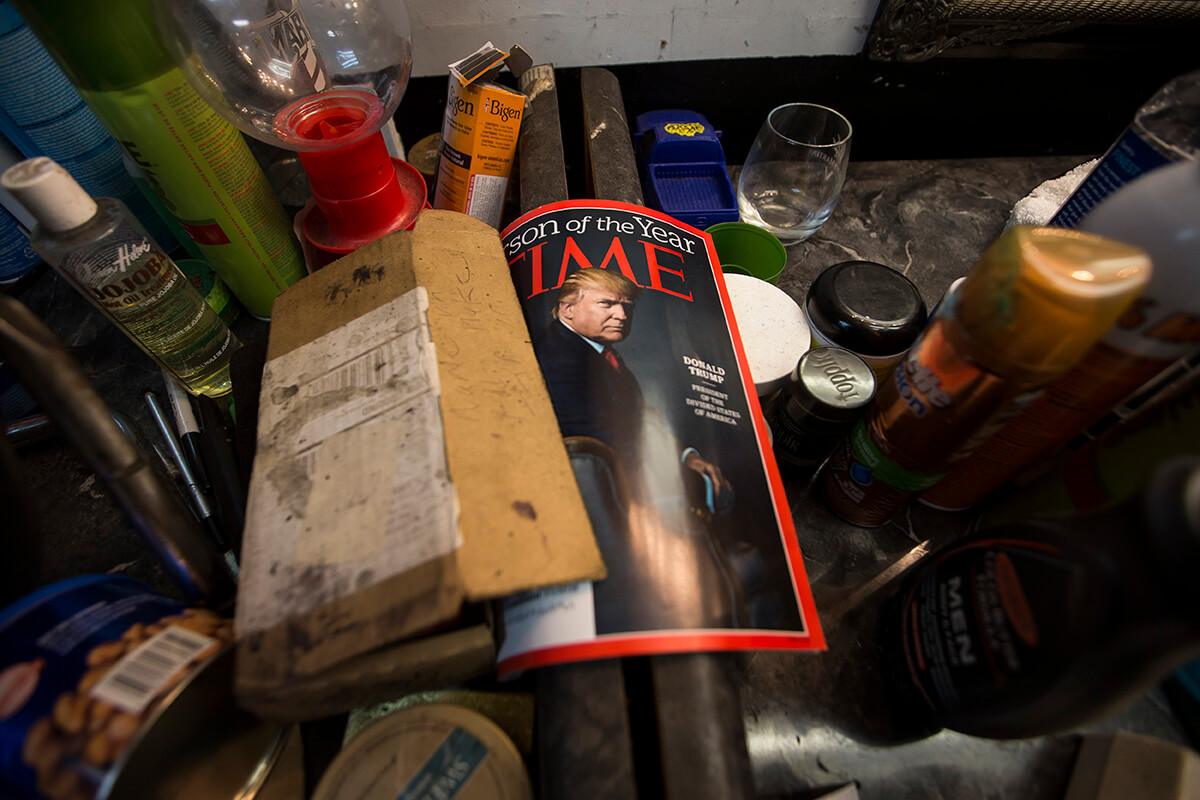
196, 161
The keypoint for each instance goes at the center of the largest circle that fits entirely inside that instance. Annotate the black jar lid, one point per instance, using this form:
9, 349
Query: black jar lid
830, 383
866, 307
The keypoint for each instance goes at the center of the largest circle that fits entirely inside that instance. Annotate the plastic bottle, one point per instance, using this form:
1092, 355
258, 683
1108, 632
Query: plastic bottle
1103, 472
105, 253
193, 158
318, 78
1032, 306
1037, 627
1165, 129
1160, 213
197, 270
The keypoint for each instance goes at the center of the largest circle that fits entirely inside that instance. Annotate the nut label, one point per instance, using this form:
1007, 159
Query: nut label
83, 664
140, 676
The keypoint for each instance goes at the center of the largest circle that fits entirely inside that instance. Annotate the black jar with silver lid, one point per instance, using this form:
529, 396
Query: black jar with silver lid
870, 309
826, 392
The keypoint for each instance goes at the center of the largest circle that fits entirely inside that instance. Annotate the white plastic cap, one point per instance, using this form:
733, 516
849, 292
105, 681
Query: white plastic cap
50, 194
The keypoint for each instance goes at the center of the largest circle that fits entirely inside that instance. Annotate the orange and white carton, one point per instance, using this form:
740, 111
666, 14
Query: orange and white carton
479, 135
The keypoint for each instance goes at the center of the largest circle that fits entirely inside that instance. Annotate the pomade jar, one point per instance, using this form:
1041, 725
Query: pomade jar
825, 394
869, 309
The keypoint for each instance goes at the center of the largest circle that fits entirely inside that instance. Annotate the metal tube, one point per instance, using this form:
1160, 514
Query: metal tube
52, 376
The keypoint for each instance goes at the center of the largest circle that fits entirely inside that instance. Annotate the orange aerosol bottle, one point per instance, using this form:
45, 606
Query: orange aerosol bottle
1030, 308
1161, 213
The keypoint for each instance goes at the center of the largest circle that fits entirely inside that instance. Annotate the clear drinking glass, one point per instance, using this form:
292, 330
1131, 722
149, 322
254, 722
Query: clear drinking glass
792, 177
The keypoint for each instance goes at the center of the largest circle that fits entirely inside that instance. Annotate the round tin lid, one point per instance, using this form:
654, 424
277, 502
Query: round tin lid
772, 328
866, 307
832, 383
424, 749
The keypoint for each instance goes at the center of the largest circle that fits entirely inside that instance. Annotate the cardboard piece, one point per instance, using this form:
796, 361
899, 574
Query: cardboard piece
414, 665
522, 521
1117, 766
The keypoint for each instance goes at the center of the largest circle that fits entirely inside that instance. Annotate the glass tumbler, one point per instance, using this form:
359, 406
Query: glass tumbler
793, 175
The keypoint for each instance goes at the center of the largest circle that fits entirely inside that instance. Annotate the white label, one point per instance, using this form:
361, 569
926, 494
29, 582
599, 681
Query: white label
485, 198
1162, 323
548, 618
128, 254
350, 483
139, 677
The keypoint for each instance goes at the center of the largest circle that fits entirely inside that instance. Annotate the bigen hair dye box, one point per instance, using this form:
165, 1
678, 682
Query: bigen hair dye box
479, 136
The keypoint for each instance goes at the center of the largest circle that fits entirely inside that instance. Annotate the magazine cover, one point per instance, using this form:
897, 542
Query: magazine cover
635, 336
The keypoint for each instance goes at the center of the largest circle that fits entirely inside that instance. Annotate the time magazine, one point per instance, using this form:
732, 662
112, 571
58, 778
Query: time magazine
634, 333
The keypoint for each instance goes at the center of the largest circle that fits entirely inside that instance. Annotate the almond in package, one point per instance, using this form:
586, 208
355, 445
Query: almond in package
85, 665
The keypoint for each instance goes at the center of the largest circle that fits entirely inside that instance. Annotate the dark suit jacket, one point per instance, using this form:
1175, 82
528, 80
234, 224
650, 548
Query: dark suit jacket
589, 397
641, 591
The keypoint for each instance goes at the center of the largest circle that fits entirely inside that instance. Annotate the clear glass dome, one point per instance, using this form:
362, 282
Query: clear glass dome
304, 75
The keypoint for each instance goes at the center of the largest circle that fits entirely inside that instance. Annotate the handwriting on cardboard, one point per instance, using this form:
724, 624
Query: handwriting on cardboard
350, 483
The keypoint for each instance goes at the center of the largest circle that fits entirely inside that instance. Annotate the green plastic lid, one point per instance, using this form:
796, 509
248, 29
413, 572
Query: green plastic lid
754, 250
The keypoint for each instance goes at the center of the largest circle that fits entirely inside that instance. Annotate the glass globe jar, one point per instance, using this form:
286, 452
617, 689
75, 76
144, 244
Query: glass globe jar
318, 77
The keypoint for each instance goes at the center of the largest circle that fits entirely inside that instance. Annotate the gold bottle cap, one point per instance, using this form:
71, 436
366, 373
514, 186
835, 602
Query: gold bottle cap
1039, 298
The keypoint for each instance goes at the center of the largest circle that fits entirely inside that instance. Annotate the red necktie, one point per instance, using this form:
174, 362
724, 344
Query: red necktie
610, 356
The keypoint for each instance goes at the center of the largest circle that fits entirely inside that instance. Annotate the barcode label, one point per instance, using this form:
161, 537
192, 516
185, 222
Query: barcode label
366, 370
137, 678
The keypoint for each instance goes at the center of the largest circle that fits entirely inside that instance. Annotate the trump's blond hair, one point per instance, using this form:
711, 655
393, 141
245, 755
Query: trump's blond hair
594, 278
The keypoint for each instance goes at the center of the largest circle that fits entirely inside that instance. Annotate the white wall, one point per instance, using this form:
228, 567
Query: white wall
572, 33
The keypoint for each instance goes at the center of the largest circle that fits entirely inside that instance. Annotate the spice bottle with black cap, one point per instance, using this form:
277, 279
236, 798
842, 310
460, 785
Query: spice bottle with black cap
869, 309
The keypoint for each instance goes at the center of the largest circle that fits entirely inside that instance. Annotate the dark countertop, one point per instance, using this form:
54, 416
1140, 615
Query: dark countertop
822, 721
81, 528
928, 219
812, 720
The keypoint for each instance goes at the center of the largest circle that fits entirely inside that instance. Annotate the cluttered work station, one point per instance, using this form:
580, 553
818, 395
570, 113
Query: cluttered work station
706, 400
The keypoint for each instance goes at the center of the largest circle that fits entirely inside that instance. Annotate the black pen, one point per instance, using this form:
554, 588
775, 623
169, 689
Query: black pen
199, 502
220, 462
187, 427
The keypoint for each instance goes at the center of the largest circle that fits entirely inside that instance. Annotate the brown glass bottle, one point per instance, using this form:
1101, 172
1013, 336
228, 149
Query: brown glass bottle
826, 392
